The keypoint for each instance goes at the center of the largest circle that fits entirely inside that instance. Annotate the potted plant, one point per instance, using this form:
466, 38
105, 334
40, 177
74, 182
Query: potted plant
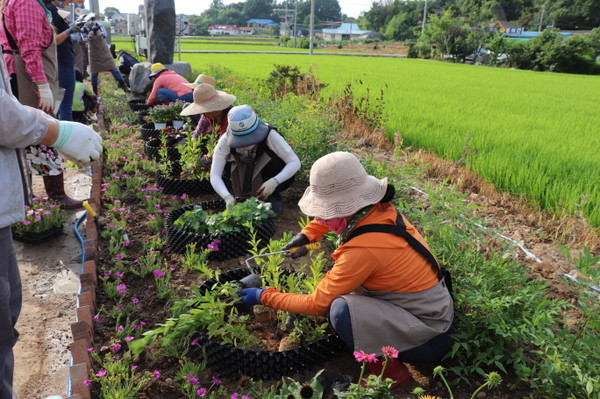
44, 219
160, 115
177, 120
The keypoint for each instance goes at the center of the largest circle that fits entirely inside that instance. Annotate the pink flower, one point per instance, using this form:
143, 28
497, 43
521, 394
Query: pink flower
361, 356
194, 342
96, 319
120, 328
158, 273
134, 367
129, 339
87, 383
135, 300
90, 350
116, 347
216, 381
193, 380
201, 392
390, 351
156, 374
101, 373
119, 256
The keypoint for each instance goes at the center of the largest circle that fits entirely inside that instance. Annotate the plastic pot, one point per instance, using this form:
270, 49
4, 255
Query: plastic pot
191, 187
38, 238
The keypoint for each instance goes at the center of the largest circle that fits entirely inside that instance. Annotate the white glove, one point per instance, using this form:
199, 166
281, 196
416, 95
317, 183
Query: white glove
267, 188
78, 142
230, 200
46, 100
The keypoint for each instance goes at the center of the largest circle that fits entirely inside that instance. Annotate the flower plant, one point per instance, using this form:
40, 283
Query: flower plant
166, 113
42, 215
199, 221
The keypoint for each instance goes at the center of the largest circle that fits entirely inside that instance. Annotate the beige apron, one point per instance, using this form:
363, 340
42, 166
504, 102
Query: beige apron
401, 320
99, 55
239, 169
28, 93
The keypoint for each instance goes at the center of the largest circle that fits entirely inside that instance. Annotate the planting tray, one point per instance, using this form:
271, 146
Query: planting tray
231, 362
38, 238
149, 132
138, 105
152, 148
233, 245
191, 187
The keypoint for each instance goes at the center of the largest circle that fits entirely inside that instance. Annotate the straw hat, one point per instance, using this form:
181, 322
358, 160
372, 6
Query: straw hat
208, 99
340, 187
202, 78
244, 128
155, 69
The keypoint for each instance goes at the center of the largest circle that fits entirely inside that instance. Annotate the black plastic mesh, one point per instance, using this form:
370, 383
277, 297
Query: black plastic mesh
231, 362
233, 245
191, 187
149, 132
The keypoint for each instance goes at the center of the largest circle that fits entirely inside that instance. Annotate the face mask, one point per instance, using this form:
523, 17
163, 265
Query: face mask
245, 155
338, 224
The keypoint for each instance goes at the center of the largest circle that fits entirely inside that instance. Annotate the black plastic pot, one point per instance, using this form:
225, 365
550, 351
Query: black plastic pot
231, 362
138, 105
149, 132
233, 245
38, 238
191, 187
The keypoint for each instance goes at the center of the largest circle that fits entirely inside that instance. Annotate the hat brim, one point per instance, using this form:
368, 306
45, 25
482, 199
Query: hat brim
248, 139
156, 72
219, 103
343, 203
192, 85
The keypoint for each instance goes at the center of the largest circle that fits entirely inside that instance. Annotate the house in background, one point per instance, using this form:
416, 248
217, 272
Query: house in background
223, 30
345, 31
125, 24
261, 23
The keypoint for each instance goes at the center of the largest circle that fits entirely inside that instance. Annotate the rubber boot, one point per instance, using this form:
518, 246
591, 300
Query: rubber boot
55, 188
395, 369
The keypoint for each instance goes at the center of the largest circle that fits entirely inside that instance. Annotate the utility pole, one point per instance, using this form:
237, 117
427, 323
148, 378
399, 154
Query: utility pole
424, 17
286, 14
312, 25
542, 17
295, 22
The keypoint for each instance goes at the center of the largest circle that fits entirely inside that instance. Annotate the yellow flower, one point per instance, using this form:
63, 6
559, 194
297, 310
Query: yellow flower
429, 397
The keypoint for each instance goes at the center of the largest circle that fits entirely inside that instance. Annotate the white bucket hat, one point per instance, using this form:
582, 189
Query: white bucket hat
340, 187
244, 128
208, 99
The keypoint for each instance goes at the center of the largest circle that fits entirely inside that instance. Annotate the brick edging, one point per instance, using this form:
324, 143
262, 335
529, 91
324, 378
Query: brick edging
83, 329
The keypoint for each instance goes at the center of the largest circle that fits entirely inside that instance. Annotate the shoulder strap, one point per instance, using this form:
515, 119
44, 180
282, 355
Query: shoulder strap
399, 229
11, 40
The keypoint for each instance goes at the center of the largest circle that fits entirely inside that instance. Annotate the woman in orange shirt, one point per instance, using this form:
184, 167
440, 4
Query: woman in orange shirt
381, 291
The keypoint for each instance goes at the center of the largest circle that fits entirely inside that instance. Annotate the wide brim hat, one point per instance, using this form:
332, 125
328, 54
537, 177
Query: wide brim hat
202, 79
244, 127
208, 99
340, 187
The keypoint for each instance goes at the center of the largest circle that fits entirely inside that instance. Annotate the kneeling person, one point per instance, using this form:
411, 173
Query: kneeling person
261, 163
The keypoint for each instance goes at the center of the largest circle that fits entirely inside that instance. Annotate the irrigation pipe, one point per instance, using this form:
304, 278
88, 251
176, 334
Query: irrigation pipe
83, 258
528, 253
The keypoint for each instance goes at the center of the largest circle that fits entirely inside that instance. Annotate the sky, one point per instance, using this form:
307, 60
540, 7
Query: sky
352, 8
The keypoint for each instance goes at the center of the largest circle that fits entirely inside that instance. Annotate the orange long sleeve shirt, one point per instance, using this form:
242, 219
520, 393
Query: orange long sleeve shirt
375, 261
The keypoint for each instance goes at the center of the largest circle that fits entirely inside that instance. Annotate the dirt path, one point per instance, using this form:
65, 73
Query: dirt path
49, 274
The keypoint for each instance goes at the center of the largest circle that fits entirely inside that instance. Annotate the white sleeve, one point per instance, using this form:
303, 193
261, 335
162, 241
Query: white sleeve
218, 166
20, 125
285, 152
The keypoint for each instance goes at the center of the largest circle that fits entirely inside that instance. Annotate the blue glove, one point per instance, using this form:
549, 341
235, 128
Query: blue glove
251, 296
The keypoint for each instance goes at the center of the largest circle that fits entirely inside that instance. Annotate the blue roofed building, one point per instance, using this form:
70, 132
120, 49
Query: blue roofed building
345, 31
261, 23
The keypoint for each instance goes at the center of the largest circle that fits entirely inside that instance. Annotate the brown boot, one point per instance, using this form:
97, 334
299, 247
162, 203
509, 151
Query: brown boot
395, 369
55, 188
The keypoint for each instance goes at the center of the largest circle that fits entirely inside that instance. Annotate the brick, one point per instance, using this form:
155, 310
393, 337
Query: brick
88, 282
87, 299
90, 249
81, 330
80, 354
79, 373
84, 313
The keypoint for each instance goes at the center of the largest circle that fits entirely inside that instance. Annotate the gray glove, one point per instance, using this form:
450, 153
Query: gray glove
75, 27
299, 240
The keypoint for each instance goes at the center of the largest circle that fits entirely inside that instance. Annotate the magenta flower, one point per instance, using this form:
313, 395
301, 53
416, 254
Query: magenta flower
120, 328
96, 319
90, 350
193, 380
158, 273
135, 300
129, 339
87, 383
116, 347
201, 392
361, 356
101, 373
119, 256
134, 367
156, 374
194, 342
390, 352
216, 381
121, 287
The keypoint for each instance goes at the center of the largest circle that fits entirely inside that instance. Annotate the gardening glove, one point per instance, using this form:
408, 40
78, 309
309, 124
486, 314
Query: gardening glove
267, 188
230, 201
78, 142
75, 27
298, 241
251, 296
46, 99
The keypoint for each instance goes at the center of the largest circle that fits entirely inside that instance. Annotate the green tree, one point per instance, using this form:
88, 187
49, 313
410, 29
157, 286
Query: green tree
450, 36
110, 11
258, 8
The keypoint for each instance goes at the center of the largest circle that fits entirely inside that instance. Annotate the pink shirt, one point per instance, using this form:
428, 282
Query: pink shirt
27, 23
169, 80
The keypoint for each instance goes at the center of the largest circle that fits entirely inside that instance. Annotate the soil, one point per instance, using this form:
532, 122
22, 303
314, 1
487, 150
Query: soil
49, 273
